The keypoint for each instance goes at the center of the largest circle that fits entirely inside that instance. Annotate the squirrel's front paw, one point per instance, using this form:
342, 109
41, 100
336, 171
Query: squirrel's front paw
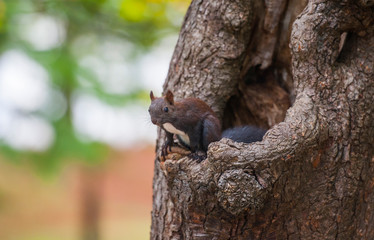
173, 153
165, 150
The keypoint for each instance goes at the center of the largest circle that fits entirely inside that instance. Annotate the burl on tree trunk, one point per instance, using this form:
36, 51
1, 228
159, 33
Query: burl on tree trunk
312, 177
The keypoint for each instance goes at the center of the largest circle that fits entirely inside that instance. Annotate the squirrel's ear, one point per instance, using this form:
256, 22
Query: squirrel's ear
169, 97
152, 96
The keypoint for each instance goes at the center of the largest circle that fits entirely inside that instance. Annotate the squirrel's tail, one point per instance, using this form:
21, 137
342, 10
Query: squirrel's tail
245, 134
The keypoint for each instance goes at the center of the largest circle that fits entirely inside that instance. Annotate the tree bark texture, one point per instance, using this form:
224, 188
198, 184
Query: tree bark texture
312, 176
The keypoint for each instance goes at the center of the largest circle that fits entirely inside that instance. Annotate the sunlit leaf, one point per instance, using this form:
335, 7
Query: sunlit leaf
133, 10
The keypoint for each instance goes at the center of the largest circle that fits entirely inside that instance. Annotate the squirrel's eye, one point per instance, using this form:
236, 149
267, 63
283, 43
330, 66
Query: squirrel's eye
166, 109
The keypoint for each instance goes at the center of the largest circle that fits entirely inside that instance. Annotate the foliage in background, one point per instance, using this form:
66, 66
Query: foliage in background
84, 26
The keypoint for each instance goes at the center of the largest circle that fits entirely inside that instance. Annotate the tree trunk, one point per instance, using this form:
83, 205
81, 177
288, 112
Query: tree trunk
312, 175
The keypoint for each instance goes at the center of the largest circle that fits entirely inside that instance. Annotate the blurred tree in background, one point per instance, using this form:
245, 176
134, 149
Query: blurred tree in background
74, 75
59, 55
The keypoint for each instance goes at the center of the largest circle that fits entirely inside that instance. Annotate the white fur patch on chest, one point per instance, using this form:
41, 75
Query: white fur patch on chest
170, 128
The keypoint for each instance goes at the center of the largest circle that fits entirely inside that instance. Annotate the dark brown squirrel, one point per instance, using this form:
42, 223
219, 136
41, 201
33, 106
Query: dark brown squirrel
194, 123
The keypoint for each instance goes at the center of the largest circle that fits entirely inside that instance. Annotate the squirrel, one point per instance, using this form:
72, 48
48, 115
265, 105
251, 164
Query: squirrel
195, 124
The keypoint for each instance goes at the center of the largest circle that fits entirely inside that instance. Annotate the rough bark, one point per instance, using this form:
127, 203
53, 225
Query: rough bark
312, 175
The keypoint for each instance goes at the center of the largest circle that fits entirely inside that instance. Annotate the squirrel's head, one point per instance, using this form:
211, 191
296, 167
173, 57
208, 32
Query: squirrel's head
161, 108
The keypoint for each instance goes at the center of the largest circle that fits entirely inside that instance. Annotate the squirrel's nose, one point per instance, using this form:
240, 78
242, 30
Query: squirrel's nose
154, 121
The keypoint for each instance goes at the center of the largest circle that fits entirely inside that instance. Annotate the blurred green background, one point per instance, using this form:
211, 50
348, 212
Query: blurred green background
76, 141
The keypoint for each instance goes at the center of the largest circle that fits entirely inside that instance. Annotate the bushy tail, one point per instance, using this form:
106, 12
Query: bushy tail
245, 134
